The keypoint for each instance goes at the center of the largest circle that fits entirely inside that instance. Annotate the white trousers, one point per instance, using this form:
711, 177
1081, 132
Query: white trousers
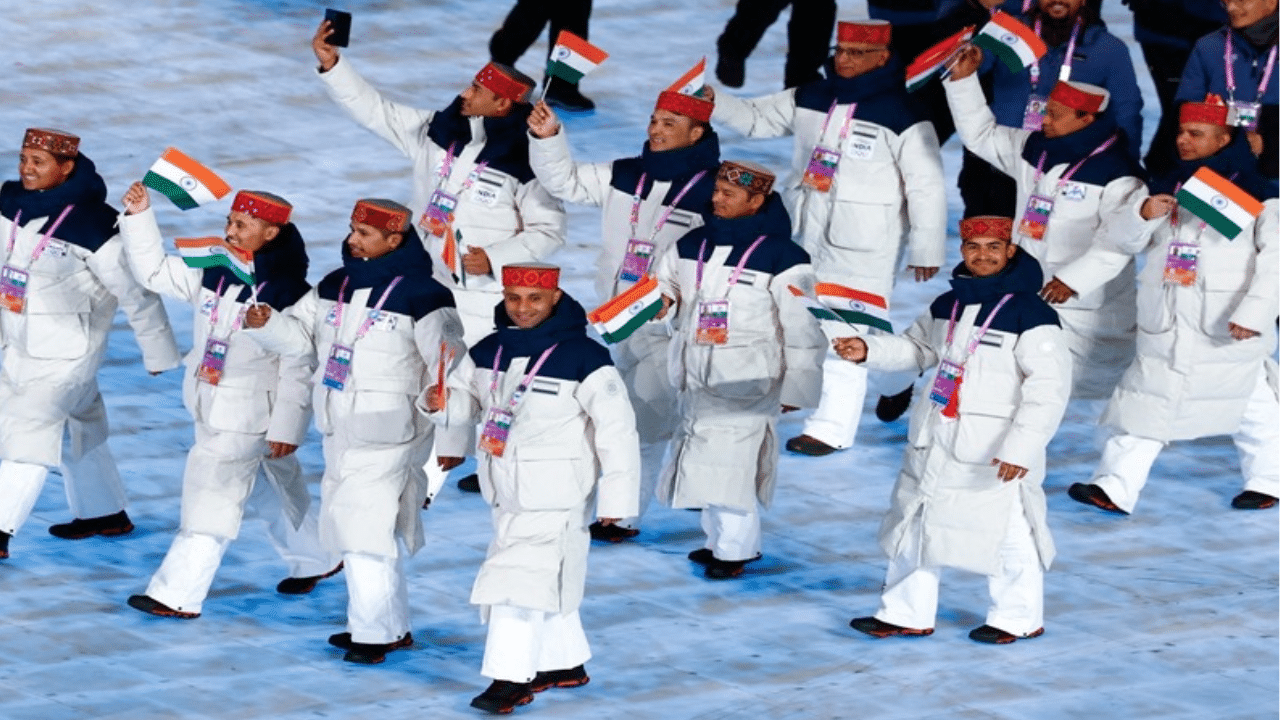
377, 597
1127, 459
844, 392
89, 474
732, 534
522, 642
910, 596
182, 582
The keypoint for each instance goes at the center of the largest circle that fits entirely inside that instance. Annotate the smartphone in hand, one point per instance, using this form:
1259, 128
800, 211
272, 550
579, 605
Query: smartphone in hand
341, 23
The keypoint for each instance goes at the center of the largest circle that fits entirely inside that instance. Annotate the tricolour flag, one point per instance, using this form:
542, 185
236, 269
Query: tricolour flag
1219, 202
692, 82
855, 306
815, 308
184, 181
207, 252
572, 57
1015, 44
618, 318
929, 62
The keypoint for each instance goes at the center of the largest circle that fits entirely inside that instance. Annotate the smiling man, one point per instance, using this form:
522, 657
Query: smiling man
969, 495
647, 202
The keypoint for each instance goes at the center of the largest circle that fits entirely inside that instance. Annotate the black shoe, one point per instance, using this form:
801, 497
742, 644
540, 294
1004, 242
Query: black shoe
304, 585
731, 70
503, 696
611, 533
151, 606
704, 557
565, 97
1247, 500
470, 483
724, 569
807, 445
1089, 494
342, 640
996, 636
81, 528
571, 678
891, 407
881, 629
4, 544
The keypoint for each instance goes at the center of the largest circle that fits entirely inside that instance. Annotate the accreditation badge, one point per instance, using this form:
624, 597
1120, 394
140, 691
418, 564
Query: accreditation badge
1180, 264
1033, 115
13, 289
635, 264
1243, 114
213, 362
493, 439
1035, 219
713, 322
945, 383
337, 369
439, 214
821, 169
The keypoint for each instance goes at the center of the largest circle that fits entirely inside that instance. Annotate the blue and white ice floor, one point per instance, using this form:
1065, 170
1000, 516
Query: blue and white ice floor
1171, 613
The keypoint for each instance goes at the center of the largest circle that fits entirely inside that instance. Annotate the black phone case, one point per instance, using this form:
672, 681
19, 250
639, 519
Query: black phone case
341, 22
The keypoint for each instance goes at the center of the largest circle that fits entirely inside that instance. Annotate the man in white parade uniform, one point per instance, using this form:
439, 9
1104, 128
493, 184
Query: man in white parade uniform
251, 407
380, 327
647, 203
64, 274
866, 185
559, 437
1207, 308
969, 495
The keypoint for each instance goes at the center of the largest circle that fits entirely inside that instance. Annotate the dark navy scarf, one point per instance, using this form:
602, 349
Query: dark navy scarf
417, 295
676, 167
576, 356
1235, 162
506, 144
881, 95
281, 264
1112, 163
1025, 310
91, 222
775, 255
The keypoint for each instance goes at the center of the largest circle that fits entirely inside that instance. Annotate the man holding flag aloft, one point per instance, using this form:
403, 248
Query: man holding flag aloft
475, 198
251, 407
1207, 307
647, 203
1071, 175
559, 436
969, 495
64, 274
379, 327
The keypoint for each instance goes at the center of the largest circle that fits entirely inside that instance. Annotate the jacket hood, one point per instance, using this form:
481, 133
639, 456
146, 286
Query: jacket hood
506, 139
91, 221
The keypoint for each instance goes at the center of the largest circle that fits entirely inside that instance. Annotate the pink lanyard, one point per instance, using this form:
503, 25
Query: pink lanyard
371, 317
1066, 60
1231, 71
518, 395
213, 313
976, 339
666, 214
737, 271
1066, 177
44, 239
844, 129
446, 170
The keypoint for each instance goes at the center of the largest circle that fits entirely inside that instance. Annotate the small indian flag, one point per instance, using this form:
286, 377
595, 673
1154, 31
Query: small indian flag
692, 82
184, 181
618, 318
1219, 202
855, 306
815, 308
935, 58
572, 57
1015, 44
207, 252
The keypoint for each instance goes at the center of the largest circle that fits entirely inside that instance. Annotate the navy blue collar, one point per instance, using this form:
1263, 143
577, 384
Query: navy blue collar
881, 95
89, 224
1112, 163
674, 166
506, 140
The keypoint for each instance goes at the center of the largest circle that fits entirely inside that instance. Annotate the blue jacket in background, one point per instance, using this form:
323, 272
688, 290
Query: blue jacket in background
1175, 23
1206, 73
920, 12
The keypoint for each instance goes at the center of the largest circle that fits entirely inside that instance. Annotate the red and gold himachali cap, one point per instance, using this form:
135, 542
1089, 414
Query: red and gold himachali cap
873, 32
754, 178
1081, 96
57, 142
534, 275
505, 82
1211, 112
986, 226
262, 205
687, 105
386, 215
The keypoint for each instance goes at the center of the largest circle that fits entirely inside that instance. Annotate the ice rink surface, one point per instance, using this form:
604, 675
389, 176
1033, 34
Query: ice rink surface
1170, 613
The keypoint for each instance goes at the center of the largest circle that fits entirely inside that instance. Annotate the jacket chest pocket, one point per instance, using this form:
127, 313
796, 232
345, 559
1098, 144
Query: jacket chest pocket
58, 316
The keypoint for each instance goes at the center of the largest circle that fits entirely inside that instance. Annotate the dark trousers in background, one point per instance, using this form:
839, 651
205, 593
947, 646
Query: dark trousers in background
526, 20
809, 34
